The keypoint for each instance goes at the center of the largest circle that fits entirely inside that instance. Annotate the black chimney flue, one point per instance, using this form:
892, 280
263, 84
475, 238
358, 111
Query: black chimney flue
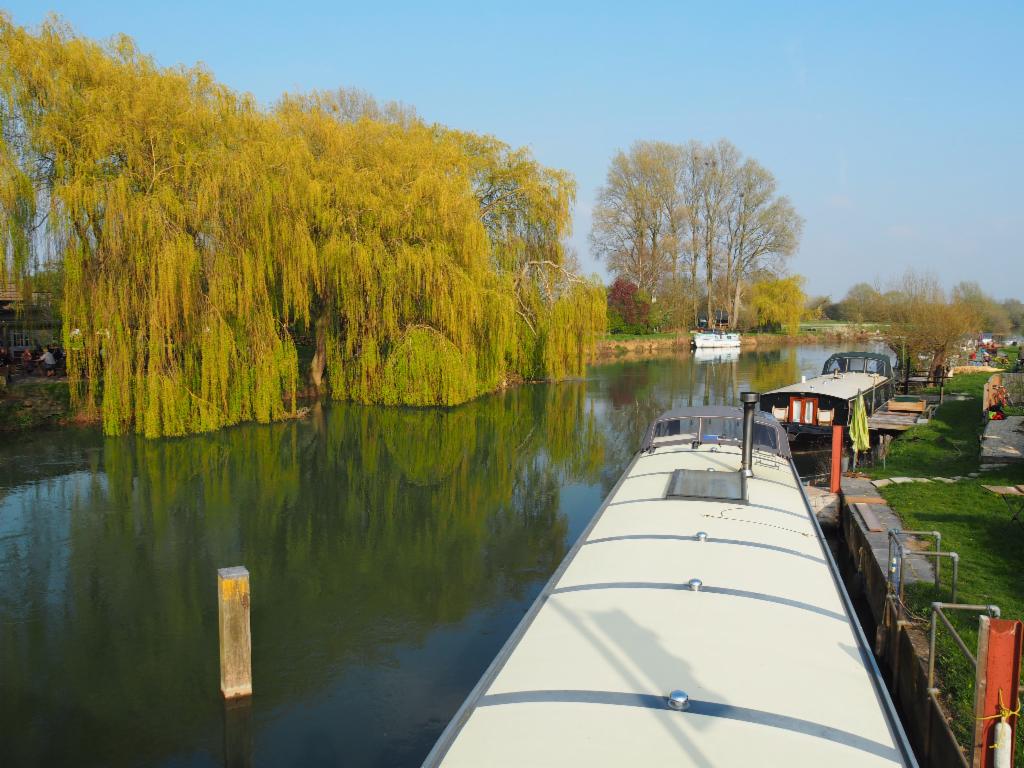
749, 400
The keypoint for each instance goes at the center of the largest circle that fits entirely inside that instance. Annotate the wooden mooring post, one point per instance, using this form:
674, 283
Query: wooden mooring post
235, 636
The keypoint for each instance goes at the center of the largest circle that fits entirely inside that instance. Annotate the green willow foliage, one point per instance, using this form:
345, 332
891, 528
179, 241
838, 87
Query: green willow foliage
196, 234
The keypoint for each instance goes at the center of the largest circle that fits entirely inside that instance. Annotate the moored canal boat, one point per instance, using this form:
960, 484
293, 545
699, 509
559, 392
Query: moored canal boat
698, 620
812, 407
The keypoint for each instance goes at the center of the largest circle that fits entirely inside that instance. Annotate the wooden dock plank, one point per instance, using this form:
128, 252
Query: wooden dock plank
890, 420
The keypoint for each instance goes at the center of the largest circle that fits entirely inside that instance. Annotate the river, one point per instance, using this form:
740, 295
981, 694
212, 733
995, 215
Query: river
392, 551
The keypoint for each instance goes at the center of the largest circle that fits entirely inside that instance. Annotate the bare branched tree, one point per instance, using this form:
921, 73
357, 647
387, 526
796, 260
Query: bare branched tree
639, 217
684, 215
925, 323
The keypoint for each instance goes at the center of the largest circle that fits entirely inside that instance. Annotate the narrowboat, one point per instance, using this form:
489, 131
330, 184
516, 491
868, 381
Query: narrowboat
698, 620
813, 406
715, 339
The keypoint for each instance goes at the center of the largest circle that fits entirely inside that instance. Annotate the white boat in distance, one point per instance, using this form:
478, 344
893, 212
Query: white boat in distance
715, 339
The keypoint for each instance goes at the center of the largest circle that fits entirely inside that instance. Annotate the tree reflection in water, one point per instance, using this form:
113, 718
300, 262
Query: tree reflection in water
388, 547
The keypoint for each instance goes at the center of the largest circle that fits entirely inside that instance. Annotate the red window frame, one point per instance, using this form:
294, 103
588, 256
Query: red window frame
798, 410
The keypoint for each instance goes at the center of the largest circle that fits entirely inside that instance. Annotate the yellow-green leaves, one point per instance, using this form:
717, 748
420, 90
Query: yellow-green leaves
195, 233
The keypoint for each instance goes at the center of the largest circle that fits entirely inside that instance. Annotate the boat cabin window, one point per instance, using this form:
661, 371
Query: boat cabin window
686, 429
867, 363
765, 437
716, 429
722, 430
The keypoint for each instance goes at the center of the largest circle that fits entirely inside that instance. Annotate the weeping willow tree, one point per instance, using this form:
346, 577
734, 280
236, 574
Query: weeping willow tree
165, 192
195, 231
408, 308
525, 209
441, 268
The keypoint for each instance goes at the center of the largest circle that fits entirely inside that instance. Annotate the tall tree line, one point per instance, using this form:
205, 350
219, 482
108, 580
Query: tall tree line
194, 235
693, 224
865, 302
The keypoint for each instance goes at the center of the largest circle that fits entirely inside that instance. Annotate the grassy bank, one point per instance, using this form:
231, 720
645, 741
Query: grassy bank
841, 326
949, 444
640, 345
810, 333
619, 337
974, 523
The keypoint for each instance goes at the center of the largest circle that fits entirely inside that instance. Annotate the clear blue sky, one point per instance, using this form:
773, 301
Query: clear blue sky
897, 129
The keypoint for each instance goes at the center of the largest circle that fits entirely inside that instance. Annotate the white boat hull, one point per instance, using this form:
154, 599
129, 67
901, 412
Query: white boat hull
716, 340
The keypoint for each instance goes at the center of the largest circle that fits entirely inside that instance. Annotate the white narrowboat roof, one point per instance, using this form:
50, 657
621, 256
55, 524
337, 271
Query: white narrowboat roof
843, 385
775, 667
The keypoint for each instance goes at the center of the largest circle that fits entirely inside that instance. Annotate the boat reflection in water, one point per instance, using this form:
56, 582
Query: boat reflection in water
716, 354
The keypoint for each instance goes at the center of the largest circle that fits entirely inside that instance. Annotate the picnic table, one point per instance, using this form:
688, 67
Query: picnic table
1012, 495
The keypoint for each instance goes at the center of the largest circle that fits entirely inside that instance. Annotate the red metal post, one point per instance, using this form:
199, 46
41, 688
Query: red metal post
837, 459
997, 686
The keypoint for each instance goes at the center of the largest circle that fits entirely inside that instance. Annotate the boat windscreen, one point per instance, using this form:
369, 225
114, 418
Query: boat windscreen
715, 429
684, 429
867, 362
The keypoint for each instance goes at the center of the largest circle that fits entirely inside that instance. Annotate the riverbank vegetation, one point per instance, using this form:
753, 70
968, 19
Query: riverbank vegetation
866, 302
691, 229
973, 522
34, 405
192, 237
923, 324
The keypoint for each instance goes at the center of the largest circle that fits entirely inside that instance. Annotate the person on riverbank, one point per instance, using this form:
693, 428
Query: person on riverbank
49, 362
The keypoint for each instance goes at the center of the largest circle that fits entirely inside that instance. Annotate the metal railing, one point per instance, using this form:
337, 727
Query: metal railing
937, 612
898, 555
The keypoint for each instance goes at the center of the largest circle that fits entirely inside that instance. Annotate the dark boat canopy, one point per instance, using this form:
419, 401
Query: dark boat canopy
858, 362
716, 424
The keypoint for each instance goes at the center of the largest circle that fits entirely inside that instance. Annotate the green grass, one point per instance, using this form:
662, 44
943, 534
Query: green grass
639, 336
949, 443
810, 325
974, 523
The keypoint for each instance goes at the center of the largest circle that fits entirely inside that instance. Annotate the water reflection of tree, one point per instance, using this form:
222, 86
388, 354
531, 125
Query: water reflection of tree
772, 368
362, 528
669, 382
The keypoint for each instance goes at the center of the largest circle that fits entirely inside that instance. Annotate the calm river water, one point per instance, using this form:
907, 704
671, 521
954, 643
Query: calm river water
392, 551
